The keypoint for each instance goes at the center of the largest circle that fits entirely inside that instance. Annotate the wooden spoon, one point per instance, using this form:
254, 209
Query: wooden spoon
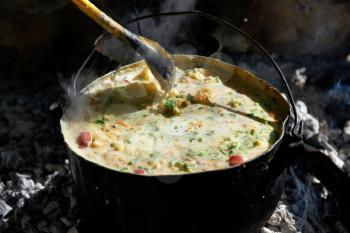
157, 58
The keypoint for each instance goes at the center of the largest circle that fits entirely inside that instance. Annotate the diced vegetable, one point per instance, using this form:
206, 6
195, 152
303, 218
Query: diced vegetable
203, 96
182, 166
169, 107
96, 144
173, 93
235, 103
257, 143
84, 139
116, 146
235, 160
122, 123
140, 171
170, 104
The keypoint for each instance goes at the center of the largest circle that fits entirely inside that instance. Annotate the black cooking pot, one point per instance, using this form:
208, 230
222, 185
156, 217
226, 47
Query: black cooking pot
239, 199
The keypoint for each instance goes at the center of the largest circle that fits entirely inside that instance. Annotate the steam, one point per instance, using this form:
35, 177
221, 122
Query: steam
168, 31
340, 92
168, 28
75, 83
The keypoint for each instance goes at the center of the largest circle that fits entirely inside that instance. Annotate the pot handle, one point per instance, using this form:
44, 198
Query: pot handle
291, 148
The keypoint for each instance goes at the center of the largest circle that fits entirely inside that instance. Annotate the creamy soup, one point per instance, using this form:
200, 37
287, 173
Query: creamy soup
125, 122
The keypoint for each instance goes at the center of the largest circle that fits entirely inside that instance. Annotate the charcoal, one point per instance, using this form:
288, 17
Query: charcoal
346, 132
4, 208
299, 78
24, 182
281, 221
67, 221
50, 207
311, 124
11, 159
20, 203
4, 134
344, 155
2, 187
42, 226
72, 230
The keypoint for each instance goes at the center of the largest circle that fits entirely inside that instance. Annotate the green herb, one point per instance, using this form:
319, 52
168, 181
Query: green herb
194, 133
232, 147
216, 78
252, 131
170, 104
128, 141
183, 166
210, 133
154, 154
191, 139
170, 108
101, 121
132, 162
186, 167
190, 98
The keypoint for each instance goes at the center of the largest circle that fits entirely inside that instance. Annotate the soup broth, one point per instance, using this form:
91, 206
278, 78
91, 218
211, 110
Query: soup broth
212, 119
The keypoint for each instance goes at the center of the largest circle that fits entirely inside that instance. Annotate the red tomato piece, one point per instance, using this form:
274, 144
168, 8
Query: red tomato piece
84, 139
235, 160
140, 171
122, 123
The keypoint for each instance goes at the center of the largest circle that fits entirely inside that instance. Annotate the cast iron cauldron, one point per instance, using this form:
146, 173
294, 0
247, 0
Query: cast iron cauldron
238, 199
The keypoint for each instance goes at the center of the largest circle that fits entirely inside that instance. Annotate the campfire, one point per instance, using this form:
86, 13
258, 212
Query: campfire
45, 187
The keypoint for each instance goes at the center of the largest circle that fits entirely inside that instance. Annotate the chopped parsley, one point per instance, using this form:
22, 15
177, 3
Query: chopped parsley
101, 121
210, 133
170, 104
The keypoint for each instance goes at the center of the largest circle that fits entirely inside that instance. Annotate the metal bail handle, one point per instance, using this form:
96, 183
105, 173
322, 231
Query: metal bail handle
295, 129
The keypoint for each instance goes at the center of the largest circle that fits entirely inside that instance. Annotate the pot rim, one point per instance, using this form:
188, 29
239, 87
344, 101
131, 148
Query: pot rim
242, 165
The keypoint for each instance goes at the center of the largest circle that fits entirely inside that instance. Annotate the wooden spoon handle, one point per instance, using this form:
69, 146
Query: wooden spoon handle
101, 18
